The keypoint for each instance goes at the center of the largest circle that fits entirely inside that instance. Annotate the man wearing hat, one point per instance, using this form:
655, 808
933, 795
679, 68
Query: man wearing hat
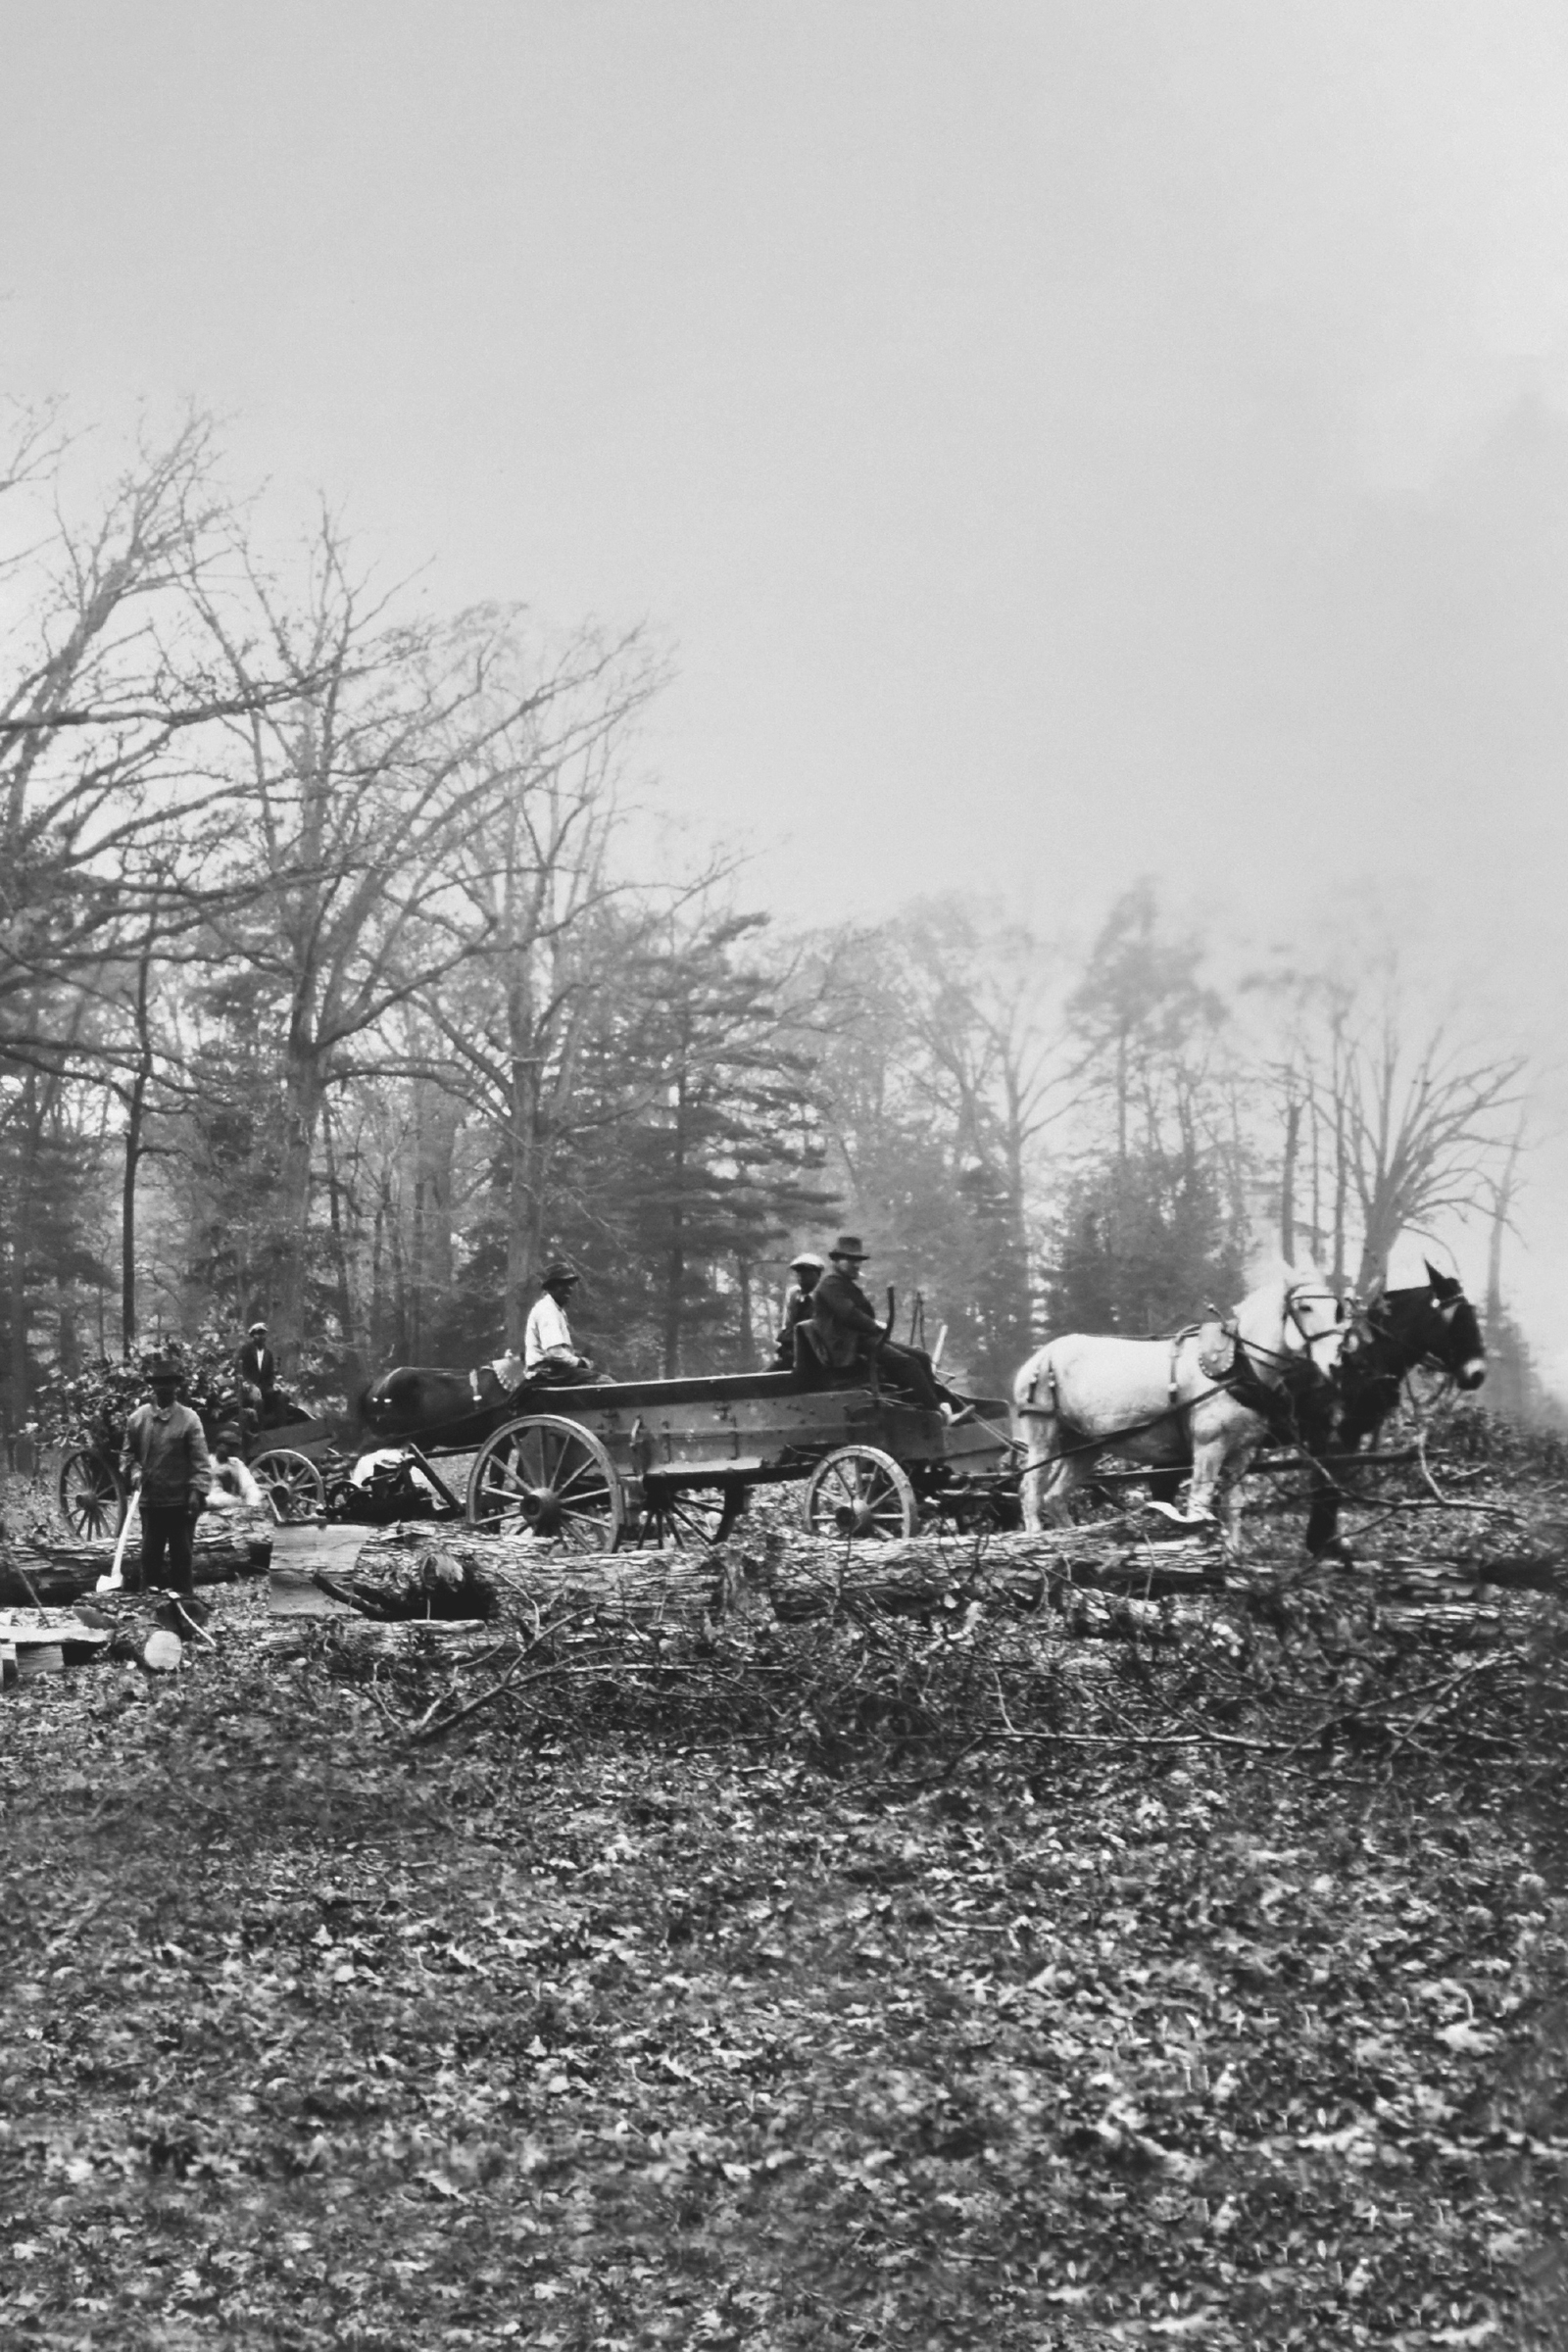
258, 1366
264, 1401
848, 1332
165, 1454
808, 1270
548, 1351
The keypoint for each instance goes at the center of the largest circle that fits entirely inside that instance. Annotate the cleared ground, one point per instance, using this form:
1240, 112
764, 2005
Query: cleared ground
851, 1983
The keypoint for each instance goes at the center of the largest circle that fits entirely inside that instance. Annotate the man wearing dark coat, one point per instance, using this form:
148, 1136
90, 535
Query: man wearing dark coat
165, 1453
260, 1393
847, 1332
258, 1366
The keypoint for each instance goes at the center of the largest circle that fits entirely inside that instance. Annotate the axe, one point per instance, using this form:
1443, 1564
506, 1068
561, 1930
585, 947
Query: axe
113, 1581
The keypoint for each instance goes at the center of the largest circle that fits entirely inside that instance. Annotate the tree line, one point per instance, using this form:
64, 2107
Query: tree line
335, 989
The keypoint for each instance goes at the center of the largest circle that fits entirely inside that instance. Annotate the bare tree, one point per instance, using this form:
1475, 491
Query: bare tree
1391, 1122
1425, 1119
101, 700
514, 1028
396, 760
994, 1055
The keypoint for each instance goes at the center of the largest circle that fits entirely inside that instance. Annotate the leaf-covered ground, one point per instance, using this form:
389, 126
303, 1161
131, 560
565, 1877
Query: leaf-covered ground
610, 2033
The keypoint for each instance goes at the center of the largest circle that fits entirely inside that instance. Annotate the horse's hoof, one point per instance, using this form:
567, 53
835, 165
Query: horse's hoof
1178, 1517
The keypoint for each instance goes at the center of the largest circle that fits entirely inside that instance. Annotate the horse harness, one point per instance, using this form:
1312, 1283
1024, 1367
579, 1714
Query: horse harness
1224, 1360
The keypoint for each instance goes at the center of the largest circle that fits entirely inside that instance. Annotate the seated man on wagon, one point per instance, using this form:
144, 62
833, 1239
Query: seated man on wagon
267, 1405
846, 1334
550, 1354
808, 1270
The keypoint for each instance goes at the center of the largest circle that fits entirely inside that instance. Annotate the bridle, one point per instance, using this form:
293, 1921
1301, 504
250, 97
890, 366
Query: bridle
1446, 1310
1244, 1381
1288, 1358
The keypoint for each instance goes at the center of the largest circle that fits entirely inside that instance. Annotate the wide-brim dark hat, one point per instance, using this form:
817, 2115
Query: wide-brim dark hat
848, 1244
558, 1270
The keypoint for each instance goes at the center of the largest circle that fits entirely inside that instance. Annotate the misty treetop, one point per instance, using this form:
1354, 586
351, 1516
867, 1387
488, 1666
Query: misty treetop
333, 990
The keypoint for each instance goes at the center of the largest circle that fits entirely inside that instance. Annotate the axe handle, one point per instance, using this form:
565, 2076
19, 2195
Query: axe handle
132, 1514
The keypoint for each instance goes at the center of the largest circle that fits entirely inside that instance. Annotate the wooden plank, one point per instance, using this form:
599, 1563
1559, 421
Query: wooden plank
23, 1628
297, 1553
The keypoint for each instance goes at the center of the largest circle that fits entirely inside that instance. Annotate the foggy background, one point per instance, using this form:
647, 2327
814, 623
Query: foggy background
1056, 444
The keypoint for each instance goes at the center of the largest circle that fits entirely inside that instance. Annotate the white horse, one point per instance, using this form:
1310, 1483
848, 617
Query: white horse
1206, 1398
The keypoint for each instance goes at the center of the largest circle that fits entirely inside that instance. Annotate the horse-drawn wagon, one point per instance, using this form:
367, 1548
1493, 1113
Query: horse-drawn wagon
657, 1461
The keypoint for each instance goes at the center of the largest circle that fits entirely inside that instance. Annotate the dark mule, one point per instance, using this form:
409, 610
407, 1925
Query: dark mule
434, 1405
1434, 1324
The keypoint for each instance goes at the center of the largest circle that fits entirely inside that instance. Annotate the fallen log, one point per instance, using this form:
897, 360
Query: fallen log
41, 1571
1016, 1571
365, 1641
416, 1574
408, 1572
424, 1573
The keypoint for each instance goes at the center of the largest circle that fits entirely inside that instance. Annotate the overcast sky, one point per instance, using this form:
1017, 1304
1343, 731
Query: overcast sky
1057, 442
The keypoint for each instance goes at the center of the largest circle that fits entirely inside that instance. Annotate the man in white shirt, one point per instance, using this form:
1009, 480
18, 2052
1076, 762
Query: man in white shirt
233, 1487
548, 1353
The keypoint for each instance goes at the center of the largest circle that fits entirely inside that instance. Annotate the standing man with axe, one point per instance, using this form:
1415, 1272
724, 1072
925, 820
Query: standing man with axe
165, 1455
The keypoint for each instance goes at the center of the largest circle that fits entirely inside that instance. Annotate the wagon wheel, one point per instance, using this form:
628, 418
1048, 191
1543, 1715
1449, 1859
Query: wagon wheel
93, 1494
861, 1493
550, 1478
691, 1518
291, 1483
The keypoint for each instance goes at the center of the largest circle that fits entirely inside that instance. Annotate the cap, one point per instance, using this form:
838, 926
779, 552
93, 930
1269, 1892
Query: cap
254, 1329
558, 1270
809, 1257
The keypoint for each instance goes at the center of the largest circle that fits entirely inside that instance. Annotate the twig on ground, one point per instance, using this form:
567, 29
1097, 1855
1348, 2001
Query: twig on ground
428, 1730
190, 1624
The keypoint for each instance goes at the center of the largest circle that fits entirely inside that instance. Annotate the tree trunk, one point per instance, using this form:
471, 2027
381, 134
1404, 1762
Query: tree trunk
675, 1256
1342, 1190
435, 1119
748, 1338
135, 1112
526, 1204
301, 1102
1293, 1137
135, 1124
354, 1369
21, 1208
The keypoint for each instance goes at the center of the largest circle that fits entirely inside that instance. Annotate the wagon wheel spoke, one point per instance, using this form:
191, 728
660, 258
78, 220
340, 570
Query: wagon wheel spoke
863, 1494
691, 1518
292, 1481
92, 1499
548, 1479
